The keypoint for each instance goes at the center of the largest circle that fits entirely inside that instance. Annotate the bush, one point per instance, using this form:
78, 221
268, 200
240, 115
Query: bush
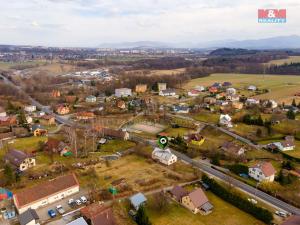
238, 169
238, 201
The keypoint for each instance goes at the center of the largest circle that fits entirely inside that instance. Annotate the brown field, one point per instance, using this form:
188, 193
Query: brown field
282, 88
291, 59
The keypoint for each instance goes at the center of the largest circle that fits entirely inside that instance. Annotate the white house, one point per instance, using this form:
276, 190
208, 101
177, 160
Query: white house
19, 160
200, 88
233, 98
252, 88
231, 91
29, 119
251, 101
225, 120
2, 112
270, 103
46, 193
167, 92
91, 99
181, 109
164, 156
193, 93
123, 92
30, 108
287, 145
263, 171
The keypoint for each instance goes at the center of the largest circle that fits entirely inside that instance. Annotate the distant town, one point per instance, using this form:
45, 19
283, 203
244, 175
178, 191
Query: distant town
146, 135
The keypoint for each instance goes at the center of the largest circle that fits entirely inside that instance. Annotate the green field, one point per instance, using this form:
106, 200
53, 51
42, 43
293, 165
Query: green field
282, 87
291, 59
223, 214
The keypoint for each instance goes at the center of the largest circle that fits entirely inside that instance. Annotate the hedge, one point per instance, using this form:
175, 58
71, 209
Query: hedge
259, 213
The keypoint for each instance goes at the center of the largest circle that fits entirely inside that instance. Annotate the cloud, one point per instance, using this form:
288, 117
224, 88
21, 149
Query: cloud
92, 22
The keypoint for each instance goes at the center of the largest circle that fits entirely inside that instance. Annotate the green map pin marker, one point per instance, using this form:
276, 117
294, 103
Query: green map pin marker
163, 142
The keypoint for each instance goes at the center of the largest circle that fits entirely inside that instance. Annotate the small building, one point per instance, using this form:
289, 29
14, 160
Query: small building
237, 105
19, 160
199, 88
225, 120
262, 171
231, 91
46, 193
290, 108
287, 145
196, 139
55, 94
178, 193
194, 93
252, 88
251, 102
79, 221
138, 200
196, 201
270, 104
123, 92
98, 214
141, 88
161, 86
91, 99
181, 109
48, 120
108, 132
62, 109
85, 116
29, 119
213, 90
210, 100
167, 92
164, 156
232, 149
30, 108
70, 99
217, 84
8, 121
39, 130
121, 104
233, 98
2, 112
29, 217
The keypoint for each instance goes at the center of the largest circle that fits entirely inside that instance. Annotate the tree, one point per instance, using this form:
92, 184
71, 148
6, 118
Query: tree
291, 115
141, 217
22, 119
9, 174
294, 103
258, 132
160, 202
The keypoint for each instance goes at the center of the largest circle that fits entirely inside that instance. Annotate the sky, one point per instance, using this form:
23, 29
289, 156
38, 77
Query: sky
89, 23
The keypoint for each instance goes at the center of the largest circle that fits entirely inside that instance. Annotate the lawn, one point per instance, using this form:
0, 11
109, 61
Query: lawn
207, 117
181, 131
142, 174
282, 87
28, 144
223, 214
113, 146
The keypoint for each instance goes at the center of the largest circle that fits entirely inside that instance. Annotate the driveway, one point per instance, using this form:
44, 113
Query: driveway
43, 212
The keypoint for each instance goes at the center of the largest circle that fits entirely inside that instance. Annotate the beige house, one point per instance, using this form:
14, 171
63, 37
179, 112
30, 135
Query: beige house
262, 171
46, 193
19, 159
197, 202
161, 86
141, 88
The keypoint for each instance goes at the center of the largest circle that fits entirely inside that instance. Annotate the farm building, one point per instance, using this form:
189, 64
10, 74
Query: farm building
123, 92
165, 156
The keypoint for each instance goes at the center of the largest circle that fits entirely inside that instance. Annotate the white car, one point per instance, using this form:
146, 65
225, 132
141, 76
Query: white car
252, 200
78, 202
281, 213
60, 209
71, 201
83, 199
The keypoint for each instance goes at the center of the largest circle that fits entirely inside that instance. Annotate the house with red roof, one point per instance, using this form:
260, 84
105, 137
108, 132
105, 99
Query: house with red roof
262, 171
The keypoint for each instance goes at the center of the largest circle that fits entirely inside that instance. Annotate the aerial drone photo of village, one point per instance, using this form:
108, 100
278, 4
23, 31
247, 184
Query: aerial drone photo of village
122, 113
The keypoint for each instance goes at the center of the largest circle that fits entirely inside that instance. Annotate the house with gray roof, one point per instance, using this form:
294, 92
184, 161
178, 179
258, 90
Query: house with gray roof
137, 200
19, 159
29, 217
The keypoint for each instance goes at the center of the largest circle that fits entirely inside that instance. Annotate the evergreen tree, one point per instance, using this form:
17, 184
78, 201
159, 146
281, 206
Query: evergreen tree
291, 115
9, 174
141, 217
294, 103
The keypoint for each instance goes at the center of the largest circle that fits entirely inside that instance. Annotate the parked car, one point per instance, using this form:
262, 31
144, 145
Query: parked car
60, 209
51, 213
252, 200
71, 201
83, 199
281, 214
78, 202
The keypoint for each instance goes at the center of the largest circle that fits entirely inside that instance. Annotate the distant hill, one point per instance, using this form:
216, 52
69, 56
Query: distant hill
232, 52
282, 42
138, 44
